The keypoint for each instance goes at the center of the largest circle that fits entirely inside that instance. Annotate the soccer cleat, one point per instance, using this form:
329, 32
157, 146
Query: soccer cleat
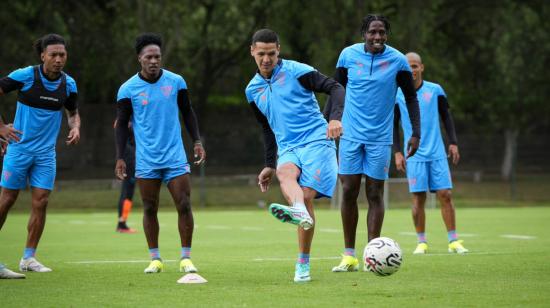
155, 266
421, 248
6, 273
302, 273
456, 246
126, 230
186, 266
348, 264
291, 215
32, 265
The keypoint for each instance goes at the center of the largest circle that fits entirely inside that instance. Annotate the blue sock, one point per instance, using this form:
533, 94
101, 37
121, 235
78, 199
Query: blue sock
349, 252
452, 236
421, 237
29, 253
155, 253
186, 252
303, 258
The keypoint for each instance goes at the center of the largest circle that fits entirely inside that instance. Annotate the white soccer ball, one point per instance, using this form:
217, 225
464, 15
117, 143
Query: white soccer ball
382, 256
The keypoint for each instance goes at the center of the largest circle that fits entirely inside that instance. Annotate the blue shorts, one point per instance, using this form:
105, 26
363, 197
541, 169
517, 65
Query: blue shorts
429, 175
317, 161
360, 158
20, 168
165, 174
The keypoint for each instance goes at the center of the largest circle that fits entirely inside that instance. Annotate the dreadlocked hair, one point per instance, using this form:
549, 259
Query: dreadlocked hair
373, 17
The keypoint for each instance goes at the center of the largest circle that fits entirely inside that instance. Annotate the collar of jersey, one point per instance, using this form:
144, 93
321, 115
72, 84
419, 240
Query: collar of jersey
150, 81
374, 54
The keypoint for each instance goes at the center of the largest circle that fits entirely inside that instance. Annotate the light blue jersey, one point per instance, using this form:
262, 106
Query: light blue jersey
157, 127
40, 126
291, 111
370, 93
431, 144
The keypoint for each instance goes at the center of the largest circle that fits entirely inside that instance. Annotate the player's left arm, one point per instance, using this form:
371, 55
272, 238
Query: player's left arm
446, 117
191, 124
73, 117
317, 82
405, 82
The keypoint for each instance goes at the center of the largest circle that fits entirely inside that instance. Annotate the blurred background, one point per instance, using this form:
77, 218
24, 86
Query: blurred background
491, 57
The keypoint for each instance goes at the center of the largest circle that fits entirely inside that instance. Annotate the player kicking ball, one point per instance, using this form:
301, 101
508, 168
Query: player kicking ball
282, 97
428, 169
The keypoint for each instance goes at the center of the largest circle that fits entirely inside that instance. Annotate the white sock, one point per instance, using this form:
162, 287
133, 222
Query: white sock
300, 205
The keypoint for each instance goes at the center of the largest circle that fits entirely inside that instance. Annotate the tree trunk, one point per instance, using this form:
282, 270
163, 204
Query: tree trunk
510, 150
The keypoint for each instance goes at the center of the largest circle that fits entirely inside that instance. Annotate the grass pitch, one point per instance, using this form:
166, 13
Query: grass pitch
248, 259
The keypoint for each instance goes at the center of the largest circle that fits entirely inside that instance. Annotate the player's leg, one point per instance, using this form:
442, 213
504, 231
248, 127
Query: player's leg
7, 200
150, 189
305, 238
441, 182
125, 204
35, 227
351, 156
41, 178
418, 175
180, 189
376, 166
288, 173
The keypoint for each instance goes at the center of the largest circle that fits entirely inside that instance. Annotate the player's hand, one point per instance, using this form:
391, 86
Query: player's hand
74, 136
412, 146
120, 169
3, 147
200, 153
334, 129
453, 153
400, 162
8, 133
265, 177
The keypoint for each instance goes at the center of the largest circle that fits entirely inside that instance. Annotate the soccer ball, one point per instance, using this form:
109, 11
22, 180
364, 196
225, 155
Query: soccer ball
382, 256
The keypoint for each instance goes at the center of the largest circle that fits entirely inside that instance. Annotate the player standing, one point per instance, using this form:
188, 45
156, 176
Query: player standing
152, 99
371, 72
43, 90
428, 169
128, 184
281, 94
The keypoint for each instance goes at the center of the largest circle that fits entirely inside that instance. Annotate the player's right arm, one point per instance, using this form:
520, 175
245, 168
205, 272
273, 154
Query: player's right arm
122, 133
7, 132
270, 147
400, 162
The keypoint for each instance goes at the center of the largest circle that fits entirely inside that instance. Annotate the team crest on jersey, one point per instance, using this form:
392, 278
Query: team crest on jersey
166, 90
384, 65
427, 96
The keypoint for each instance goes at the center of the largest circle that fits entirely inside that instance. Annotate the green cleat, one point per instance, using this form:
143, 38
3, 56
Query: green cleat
291, 215
302, 273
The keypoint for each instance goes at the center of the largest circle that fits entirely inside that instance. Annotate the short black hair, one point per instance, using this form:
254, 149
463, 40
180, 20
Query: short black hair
265, 36
146, 39
48, 39
373, 17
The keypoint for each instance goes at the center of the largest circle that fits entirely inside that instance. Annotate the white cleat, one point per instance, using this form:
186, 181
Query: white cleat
32, 265
295, 216
6, 273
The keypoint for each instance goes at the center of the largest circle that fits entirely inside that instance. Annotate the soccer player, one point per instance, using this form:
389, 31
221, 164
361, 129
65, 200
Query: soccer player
281, 94
428, 169
371, 72
43, 90
6, 273
128, 184
152, 98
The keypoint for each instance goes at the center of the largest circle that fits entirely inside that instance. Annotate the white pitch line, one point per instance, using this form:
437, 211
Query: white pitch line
518, 237
294, 259
113, 261
328, 230
252, 229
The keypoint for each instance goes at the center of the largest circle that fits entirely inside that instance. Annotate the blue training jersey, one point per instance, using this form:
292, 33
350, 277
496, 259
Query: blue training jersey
370, 93
431, 144
40, 126
291, 110
155, 118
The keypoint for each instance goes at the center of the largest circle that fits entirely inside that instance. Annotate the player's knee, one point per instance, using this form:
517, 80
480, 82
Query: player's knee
374, 195
444, 195
350, 189
40, 203
286, 174
7, 201
184, 206
149, 208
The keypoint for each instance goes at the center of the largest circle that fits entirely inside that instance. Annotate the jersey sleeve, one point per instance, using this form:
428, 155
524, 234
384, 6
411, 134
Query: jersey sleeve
71, 86
404, 64
300, 69
248, 94
182, 85
441, 91
23, 75
342, 59
123, 93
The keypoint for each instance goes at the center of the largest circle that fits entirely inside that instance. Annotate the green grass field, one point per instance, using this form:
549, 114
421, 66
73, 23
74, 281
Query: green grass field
248, 259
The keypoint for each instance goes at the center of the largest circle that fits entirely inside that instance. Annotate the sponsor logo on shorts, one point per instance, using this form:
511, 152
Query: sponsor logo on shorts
317, 175
6, 174
412, 181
